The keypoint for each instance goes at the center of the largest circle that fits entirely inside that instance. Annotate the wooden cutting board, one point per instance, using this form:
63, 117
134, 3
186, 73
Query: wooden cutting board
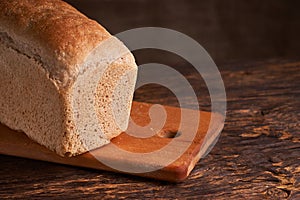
151, 150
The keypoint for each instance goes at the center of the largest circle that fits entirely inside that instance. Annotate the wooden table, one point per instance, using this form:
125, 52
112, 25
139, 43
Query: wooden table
257, 156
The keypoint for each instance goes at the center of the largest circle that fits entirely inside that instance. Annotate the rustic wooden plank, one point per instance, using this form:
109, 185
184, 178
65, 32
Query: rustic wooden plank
256, 157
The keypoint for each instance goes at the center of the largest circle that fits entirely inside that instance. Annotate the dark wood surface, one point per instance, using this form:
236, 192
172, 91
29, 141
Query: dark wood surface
256, 157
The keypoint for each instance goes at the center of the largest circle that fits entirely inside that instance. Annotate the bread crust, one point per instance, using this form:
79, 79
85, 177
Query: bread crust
82, 72
60, 34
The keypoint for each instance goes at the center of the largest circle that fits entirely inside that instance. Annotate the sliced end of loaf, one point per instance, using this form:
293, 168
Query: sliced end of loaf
100, 98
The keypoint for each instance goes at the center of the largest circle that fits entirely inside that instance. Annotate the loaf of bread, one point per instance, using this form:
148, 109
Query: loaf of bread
64, 80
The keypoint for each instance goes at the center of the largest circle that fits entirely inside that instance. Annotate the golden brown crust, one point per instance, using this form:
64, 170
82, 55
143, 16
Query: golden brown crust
61, 59
62, 35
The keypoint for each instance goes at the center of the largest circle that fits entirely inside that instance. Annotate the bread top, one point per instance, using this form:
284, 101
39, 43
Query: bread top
53, 32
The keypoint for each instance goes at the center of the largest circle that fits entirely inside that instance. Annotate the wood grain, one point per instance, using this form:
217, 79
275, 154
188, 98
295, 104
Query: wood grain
256, 157
166, 154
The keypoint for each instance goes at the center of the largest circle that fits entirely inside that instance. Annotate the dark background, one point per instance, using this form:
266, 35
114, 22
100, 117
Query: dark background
231, 30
